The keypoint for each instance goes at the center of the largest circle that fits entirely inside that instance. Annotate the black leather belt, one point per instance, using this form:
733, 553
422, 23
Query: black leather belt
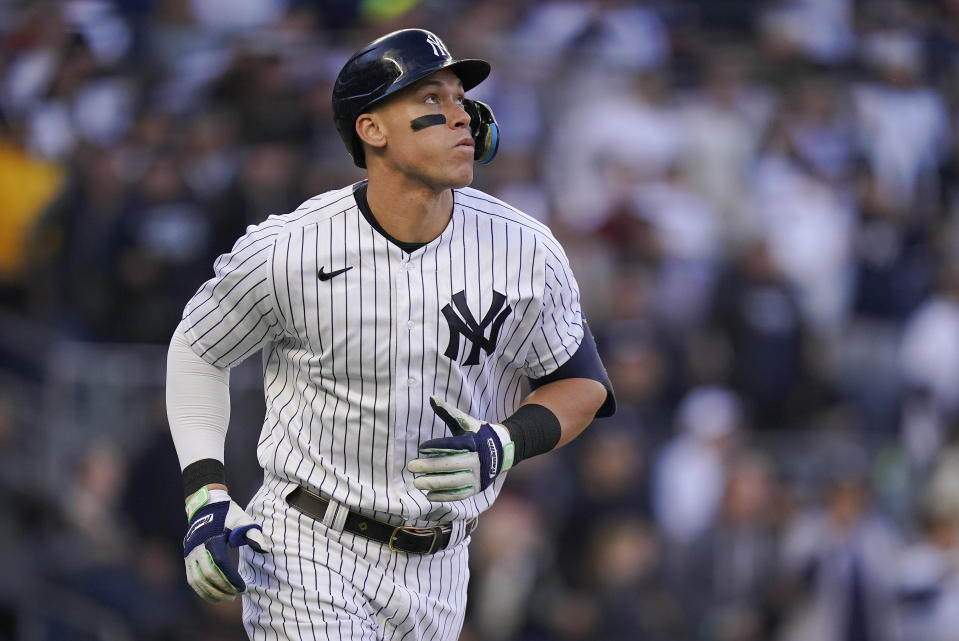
403, 538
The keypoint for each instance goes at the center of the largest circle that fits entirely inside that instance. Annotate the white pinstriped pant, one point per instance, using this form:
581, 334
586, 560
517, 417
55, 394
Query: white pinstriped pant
320, 584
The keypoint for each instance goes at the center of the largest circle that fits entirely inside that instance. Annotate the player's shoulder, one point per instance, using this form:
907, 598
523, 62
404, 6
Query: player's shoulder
478, 203
320, 207
323, 206
316, 209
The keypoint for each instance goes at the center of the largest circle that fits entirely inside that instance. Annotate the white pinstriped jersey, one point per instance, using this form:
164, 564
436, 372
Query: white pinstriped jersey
350, 361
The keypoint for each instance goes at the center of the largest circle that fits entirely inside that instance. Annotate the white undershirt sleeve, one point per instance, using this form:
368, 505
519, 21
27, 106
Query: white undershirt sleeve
197, 403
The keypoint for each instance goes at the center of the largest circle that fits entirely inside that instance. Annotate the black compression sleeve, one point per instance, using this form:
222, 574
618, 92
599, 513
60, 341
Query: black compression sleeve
534, 430
203, 472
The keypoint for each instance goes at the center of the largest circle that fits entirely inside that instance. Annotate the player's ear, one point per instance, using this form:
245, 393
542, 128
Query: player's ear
369, 127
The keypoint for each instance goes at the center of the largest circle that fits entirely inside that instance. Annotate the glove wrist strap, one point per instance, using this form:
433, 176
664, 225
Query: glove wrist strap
509, 447
534, 430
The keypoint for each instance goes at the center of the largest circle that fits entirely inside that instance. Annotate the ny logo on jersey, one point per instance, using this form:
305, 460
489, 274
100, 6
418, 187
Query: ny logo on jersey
439, 49
475, 332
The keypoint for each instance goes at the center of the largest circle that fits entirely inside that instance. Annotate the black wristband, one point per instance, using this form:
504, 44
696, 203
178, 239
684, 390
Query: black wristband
203, 472
534, 430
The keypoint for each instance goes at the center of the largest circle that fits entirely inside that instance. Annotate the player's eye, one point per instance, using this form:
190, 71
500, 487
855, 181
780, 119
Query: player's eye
460, 100
432, 99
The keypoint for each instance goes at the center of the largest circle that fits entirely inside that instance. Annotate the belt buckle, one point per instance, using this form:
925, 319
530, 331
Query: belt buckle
416, 531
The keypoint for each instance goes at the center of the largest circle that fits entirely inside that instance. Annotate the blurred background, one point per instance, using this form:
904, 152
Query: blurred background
759, 199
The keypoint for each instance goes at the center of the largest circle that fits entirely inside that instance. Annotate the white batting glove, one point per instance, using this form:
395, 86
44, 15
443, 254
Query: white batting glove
456, 467
216, 521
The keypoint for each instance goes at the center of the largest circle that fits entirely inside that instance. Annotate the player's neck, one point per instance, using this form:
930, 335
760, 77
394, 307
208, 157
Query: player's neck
412, 215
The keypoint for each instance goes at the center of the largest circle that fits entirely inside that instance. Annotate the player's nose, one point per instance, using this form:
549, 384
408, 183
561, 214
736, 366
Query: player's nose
459, 117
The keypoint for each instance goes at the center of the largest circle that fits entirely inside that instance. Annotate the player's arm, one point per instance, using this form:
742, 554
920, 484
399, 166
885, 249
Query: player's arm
198, 409
574, 403
578, 391
558, 409
563, 403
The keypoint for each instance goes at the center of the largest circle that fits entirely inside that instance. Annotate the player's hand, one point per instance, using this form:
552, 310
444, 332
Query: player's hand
457, 467
215, 521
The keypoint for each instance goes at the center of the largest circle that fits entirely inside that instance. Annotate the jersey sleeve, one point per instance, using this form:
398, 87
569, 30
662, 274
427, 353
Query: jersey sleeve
234, 314
560, 329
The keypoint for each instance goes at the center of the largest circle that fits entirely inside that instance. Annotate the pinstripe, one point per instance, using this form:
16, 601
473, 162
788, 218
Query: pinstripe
498, 412
481, 393
406, 296
272, 357
432, 623
366, 576
426, 599
422, 352
442, 629
316, 571
361, 362
287, 366
391, 362
464, 245
349, 545
273, 267
302, 583
287, 579
409, 595
346, 358
270, 576
311, 413
377, 380
331, 369
300, 399
418, 599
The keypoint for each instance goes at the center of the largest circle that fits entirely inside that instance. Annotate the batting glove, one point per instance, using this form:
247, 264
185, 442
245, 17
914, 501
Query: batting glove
215, 521
456, 467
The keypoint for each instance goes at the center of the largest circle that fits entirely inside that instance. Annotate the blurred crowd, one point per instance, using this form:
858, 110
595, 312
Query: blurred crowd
759, 197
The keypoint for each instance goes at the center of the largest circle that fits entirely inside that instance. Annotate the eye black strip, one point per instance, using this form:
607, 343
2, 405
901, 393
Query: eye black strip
427, 121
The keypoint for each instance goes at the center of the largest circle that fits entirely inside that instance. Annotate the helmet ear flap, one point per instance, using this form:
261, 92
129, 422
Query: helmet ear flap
484, 130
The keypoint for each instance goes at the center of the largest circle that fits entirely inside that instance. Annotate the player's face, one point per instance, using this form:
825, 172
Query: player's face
428, 134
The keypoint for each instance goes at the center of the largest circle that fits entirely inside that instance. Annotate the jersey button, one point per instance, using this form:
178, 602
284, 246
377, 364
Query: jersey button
412, 382
410, 324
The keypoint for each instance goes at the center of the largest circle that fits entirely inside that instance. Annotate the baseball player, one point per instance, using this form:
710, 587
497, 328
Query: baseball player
419, 338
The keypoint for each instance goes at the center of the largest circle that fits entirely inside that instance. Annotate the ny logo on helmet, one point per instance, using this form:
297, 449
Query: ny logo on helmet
473, 330
439, 49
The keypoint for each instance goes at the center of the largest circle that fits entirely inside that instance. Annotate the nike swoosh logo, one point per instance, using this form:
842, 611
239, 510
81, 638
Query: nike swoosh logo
325, 275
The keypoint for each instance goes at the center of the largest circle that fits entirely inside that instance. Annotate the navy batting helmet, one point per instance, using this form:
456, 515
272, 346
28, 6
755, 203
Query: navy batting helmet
385, 66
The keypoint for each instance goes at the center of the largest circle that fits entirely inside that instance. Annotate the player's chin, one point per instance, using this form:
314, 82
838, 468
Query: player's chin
465, 181
460, 172
455, 179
